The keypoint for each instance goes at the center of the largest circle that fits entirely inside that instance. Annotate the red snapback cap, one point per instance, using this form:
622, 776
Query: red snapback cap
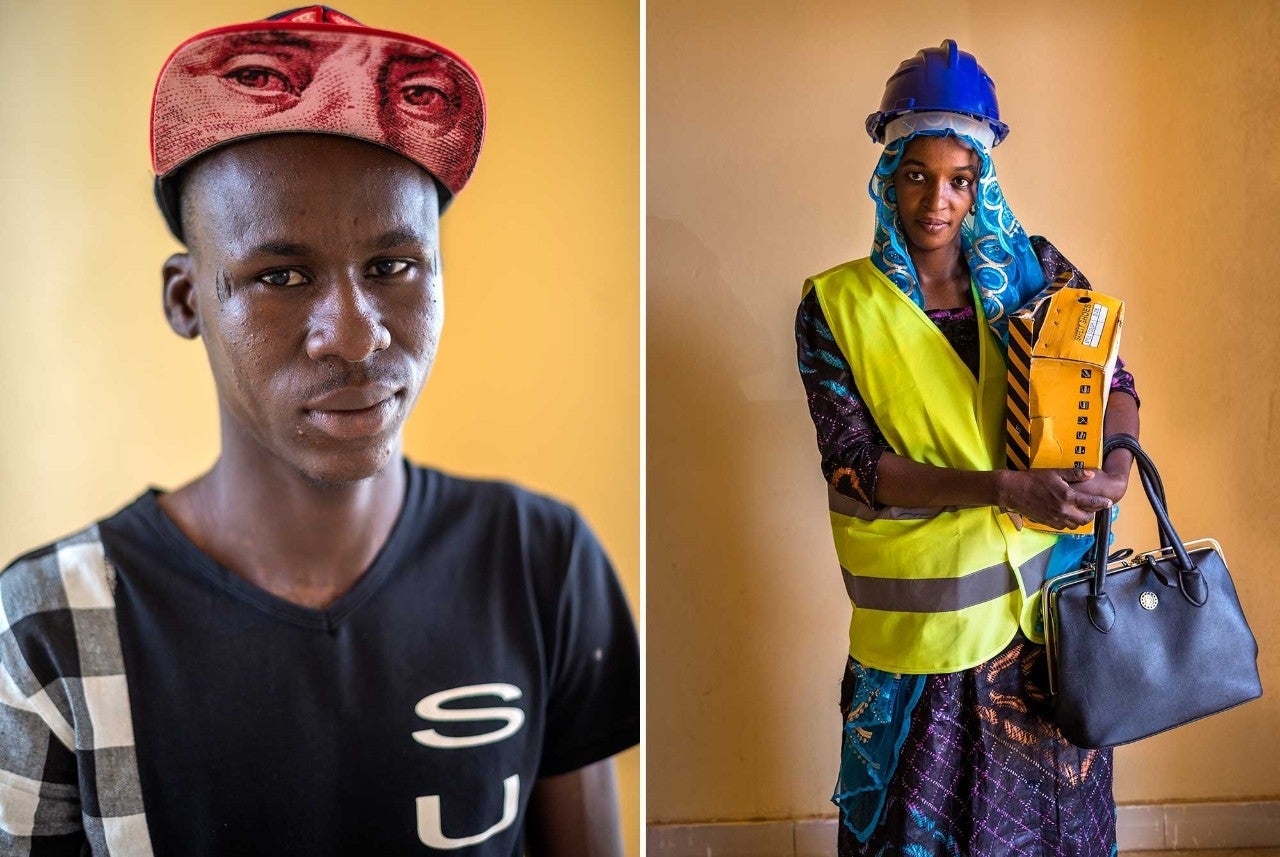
315, 70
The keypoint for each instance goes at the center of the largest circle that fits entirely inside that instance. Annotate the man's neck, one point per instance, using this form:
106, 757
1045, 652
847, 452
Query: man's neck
303, 541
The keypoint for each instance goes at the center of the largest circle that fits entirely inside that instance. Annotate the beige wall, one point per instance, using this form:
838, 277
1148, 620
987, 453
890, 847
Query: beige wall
1145, 144
538, 374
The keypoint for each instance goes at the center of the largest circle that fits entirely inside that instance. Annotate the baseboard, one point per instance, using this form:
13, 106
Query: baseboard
1139, 827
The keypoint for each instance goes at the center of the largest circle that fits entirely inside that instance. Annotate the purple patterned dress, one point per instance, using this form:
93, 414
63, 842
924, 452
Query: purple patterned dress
982, 771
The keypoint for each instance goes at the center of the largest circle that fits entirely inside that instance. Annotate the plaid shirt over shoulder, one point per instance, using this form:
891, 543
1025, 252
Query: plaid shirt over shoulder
68, 771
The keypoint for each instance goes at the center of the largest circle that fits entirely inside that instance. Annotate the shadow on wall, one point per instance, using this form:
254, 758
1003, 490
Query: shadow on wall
722, 582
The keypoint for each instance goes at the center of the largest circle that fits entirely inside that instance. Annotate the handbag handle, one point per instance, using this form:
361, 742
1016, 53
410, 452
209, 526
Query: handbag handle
1153, 486
1190, 581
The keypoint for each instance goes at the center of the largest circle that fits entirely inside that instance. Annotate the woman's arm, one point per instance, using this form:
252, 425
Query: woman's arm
1121, 418
849, 441
1058, 497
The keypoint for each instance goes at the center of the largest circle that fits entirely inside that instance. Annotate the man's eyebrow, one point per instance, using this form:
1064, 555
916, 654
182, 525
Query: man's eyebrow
280, 248
395, 238
392, 238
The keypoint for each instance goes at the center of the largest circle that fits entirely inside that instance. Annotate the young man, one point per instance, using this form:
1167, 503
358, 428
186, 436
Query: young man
315, 647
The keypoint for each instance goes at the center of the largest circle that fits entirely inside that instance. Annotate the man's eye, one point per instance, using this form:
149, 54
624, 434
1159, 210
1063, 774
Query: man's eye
260, 80
287, 277
389, 267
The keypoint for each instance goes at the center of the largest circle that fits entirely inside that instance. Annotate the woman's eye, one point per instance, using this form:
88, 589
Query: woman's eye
287, 277
260, 80
915, 176
961, 181
389, 267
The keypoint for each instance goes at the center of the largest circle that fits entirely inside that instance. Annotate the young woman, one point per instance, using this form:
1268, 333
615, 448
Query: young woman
947, 748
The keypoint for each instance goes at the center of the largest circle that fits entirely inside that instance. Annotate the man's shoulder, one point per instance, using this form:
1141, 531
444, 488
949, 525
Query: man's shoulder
67, 574
57, 619
496, 499
545, 536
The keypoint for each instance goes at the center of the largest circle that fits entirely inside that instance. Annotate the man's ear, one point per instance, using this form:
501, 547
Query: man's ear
180, 296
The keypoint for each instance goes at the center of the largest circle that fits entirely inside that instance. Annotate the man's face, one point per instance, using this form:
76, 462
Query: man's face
315, 271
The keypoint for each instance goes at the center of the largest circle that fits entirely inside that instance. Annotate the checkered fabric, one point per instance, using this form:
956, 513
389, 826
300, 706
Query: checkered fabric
68, 771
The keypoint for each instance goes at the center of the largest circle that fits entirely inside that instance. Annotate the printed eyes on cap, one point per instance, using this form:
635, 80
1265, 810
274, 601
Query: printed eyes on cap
260, 80
429, 102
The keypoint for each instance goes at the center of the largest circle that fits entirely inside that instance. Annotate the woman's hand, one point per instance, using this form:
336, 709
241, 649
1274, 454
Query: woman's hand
1111, 485
1059, 498
1070, 498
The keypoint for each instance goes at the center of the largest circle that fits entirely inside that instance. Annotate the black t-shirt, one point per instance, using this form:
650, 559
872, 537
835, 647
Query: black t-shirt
487, 645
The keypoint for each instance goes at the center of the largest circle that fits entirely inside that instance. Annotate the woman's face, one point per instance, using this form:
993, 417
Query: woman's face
935, 184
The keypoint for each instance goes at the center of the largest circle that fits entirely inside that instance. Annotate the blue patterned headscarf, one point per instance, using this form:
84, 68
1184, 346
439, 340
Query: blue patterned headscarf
998, 251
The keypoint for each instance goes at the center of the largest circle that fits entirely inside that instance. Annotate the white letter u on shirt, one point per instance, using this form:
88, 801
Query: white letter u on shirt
431, 830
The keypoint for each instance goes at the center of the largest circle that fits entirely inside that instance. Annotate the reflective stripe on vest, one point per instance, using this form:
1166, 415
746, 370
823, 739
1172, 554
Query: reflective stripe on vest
933, 590
942, 594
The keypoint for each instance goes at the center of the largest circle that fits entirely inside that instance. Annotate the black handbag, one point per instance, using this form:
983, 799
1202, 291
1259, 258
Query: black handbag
1156, 641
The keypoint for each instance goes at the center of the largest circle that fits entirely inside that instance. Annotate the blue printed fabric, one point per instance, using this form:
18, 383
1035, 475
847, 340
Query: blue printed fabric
879, 714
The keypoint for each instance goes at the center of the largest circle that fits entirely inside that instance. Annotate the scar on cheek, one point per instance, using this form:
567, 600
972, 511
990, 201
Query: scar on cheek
222, 285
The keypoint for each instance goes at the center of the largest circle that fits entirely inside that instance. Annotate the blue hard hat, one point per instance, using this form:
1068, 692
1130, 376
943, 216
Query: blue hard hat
941, 78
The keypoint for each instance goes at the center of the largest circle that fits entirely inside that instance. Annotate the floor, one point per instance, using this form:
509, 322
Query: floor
1229, 852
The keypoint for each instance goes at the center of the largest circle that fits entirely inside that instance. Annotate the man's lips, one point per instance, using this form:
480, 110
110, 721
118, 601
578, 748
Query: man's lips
355, 412
355, 398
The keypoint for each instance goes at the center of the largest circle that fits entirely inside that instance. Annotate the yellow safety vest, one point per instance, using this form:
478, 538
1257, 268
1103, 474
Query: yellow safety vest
933, 590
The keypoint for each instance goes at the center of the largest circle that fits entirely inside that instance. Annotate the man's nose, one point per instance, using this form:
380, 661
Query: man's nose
346, 324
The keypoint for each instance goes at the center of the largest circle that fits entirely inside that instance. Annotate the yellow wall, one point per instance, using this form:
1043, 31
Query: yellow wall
1145, 144
537, 378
